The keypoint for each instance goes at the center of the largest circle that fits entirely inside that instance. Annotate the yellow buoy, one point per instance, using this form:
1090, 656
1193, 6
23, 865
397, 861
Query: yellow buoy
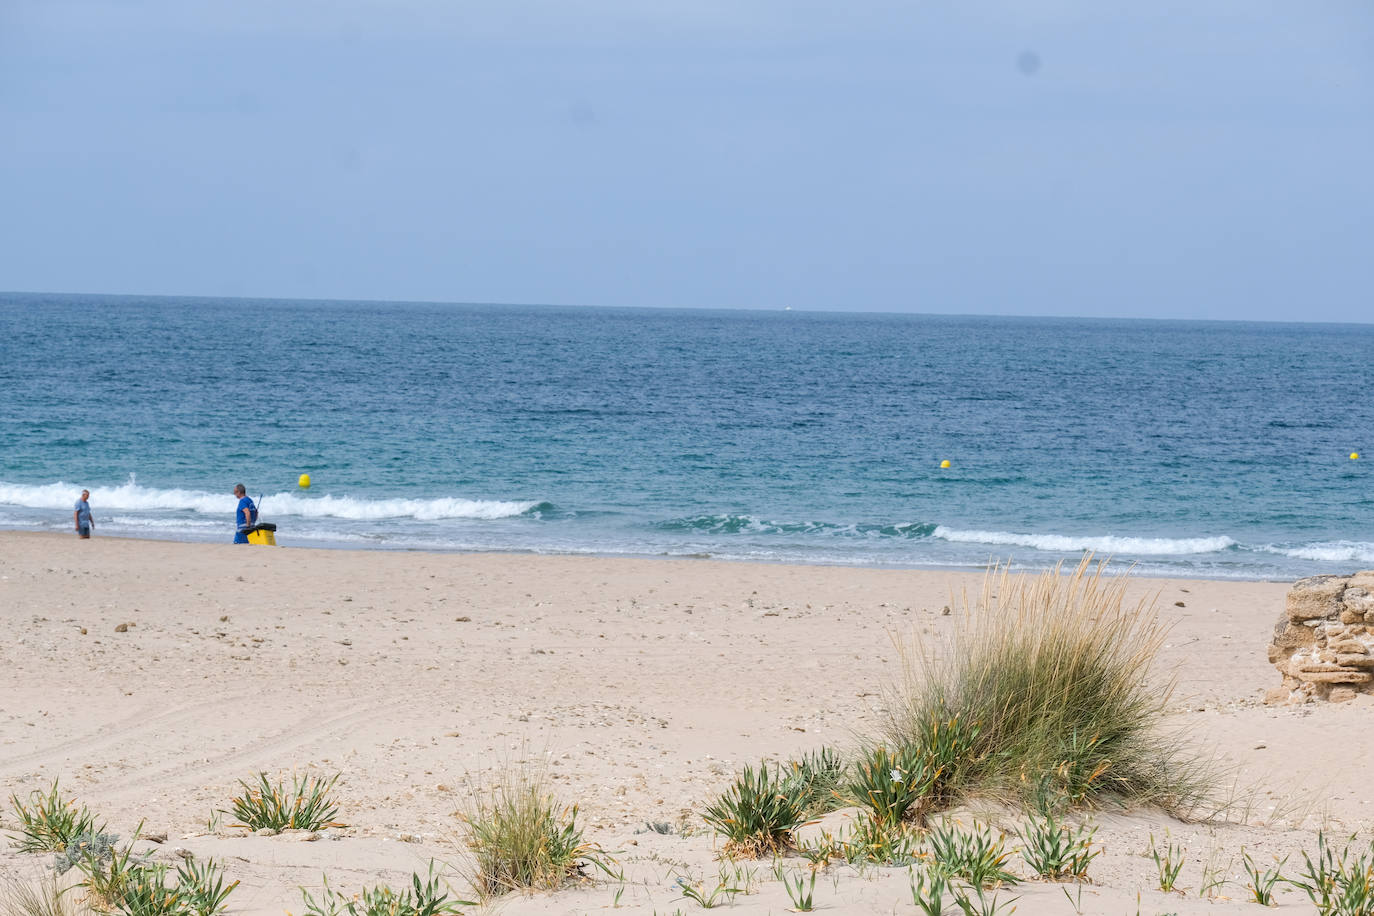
304, 481
945, 463
1354, 456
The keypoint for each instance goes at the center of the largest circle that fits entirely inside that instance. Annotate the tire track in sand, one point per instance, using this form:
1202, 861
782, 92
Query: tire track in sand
300, 732
113, 733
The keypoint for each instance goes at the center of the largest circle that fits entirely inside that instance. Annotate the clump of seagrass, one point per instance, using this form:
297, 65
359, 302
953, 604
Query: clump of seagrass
306, 805
1049, 676
523, 838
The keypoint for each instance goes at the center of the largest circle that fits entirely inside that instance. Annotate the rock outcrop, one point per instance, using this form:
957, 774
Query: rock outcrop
1324, 641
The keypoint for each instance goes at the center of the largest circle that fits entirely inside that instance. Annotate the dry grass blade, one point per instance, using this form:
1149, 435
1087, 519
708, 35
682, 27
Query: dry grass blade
46, 897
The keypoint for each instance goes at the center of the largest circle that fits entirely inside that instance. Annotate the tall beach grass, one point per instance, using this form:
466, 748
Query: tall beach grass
1053, 677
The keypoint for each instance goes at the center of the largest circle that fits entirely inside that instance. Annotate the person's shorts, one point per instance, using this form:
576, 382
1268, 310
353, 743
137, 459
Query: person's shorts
84, 531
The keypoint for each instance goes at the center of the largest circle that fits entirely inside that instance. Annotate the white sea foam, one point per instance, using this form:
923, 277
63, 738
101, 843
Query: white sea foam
170, 524
370, 509
1329, 552
1104, 544
131, 497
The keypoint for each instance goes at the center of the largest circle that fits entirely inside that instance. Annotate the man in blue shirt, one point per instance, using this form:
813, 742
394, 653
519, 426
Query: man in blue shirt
82, 515
245, 516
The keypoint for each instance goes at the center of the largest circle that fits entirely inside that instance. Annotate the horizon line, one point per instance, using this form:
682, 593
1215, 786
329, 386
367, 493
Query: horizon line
677, 308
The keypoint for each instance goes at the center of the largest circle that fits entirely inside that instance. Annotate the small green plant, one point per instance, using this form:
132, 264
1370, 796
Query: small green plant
801, 891
427, 898
976, 856
1318, 880
522, 838
758, 813
1168, 861
983, 905
696, 891
202, 886
819, 852
1355, 895
49, 823
816, 777
869, 843
1262, 883
741, 876
892, 782
117, 881
307, 805
97, 846
950, 748
145, 892
880, 843
105, 879
915, 778
1055, 851
1336, 883
928, 889
1214, 874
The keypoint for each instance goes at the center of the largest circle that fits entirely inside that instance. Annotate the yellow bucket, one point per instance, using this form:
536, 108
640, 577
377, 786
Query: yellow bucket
264, 535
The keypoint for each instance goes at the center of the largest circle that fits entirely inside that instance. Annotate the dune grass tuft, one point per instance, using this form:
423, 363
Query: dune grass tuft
1050, 675
523, 838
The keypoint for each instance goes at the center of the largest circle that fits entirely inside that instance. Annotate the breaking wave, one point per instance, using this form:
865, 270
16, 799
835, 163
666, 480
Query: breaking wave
1104, 544
131, 497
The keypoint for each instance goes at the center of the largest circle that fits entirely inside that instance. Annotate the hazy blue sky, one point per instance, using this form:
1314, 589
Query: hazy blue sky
1170, 159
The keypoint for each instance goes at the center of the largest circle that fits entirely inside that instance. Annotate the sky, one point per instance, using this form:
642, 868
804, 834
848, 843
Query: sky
1041, 157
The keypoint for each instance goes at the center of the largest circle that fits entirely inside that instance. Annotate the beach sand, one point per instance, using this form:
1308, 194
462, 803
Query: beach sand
643, 683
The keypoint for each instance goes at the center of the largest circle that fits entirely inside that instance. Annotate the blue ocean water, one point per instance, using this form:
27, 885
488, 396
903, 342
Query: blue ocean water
1189, 448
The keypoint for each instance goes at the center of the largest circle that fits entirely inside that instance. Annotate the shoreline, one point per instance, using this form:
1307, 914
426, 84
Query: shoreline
694, 557
643, 685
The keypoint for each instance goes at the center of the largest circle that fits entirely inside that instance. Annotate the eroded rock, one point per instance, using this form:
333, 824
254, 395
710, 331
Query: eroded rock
1323, 642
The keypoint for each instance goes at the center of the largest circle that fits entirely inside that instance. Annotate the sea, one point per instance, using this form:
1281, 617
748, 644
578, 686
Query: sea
1183, 448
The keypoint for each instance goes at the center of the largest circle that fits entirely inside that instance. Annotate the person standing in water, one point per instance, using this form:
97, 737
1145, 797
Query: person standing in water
245, 516
82, 515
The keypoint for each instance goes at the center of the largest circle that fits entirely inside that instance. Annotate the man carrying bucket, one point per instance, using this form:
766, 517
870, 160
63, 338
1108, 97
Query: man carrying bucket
245, 516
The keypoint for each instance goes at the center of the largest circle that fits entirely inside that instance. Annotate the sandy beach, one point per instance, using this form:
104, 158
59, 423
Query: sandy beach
149, 677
